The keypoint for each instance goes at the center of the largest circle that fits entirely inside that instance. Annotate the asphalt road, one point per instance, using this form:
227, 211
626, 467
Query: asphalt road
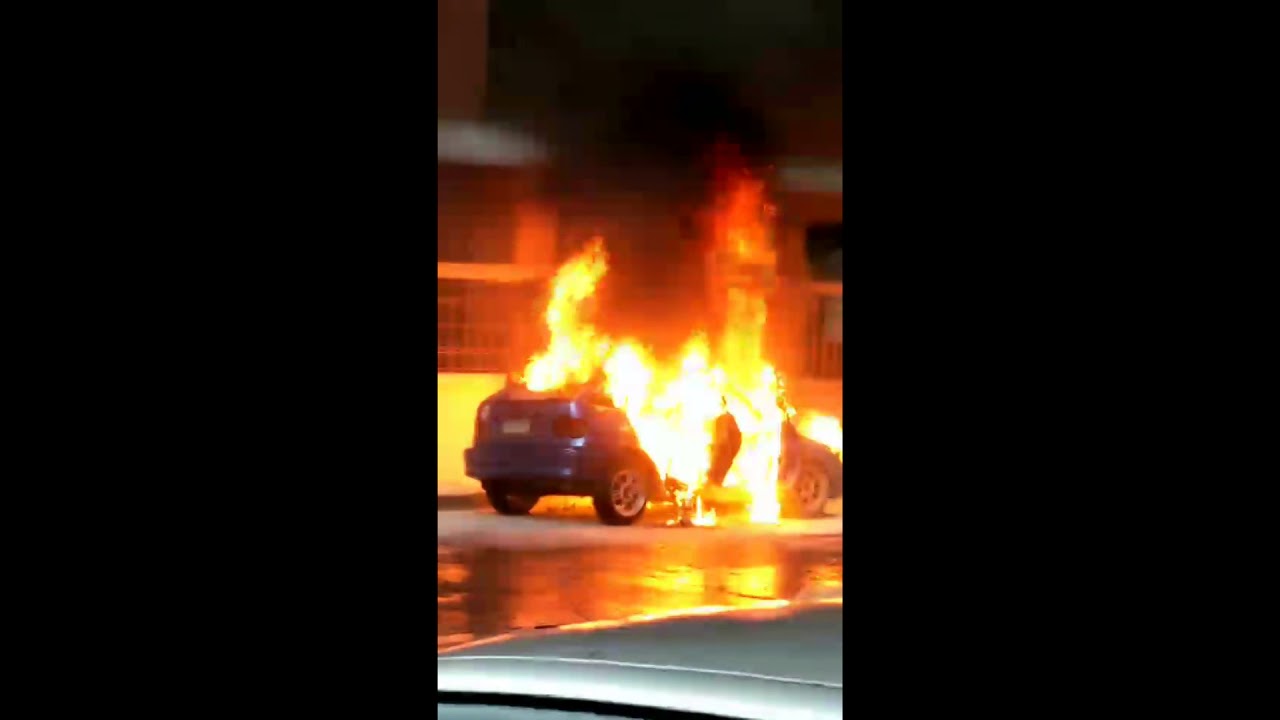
487, 590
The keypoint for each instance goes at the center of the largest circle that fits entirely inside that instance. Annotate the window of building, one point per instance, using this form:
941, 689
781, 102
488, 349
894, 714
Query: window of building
486, 327
476, 213
824, 249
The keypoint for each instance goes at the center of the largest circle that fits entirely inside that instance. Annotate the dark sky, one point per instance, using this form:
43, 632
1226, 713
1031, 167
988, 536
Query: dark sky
633, 95
653, 82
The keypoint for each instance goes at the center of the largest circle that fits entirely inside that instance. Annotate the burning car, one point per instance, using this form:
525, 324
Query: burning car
601, 417
576, 442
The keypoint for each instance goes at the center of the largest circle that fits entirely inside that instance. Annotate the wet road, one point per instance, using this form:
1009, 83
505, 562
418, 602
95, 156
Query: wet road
486, 591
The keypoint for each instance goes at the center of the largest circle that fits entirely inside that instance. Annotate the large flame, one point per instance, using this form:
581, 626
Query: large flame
673, 406
823, 428
574, 350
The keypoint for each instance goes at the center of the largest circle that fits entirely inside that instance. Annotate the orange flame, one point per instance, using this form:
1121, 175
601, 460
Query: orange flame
823, 428
673, 407
574, 351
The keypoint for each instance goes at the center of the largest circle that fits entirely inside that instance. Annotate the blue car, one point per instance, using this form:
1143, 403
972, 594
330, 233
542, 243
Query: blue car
575, 442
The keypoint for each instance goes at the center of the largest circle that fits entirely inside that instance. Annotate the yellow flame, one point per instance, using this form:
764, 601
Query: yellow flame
823, 428
673, 406
574, 350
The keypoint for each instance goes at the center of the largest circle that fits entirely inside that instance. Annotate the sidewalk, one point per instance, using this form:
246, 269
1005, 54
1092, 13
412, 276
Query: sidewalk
477, 501
461, 502
545, 530
570, 521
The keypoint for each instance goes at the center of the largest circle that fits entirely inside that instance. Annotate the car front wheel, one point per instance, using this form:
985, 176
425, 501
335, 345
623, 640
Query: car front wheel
810, 492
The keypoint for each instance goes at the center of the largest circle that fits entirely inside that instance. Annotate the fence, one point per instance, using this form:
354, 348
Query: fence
489, 320
487, 316
824, 332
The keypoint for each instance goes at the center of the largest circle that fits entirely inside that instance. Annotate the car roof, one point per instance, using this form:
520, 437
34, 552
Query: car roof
801, 643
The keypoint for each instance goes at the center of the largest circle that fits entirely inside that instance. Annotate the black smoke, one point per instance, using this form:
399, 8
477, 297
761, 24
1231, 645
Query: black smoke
634, 98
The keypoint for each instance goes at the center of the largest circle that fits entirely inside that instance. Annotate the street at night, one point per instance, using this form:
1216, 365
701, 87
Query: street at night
643, 439
558, 569
640, 349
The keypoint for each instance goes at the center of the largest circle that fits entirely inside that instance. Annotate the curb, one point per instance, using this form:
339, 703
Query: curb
461, 502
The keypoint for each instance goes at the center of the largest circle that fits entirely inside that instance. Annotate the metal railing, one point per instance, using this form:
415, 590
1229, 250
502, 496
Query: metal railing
824, 332
489, 320
487, 317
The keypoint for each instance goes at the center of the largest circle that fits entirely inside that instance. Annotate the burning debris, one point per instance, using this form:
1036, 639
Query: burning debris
711, 422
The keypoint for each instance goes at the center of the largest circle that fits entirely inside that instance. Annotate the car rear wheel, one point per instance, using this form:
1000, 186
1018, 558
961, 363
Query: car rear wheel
810, 492
509, 503
623, 498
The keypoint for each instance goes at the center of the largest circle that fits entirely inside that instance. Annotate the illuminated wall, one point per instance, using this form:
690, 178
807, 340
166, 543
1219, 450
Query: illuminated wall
460, 395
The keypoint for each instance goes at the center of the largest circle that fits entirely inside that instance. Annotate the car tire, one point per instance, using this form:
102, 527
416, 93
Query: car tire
509, 503
623, 497
808, 495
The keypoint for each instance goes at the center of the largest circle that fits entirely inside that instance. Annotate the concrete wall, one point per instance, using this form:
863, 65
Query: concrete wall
462, 52
461, 394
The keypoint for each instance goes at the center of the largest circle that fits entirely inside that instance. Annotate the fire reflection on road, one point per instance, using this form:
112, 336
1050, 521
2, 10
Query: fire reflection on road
489, 591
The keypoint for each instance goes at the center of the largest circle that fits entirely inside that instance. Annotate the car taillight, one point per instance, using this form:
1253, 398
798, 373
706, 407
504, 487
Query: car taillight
565, 426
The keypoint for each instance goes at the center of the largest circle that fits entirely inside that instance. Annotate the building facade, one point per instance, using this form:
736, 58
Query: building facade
501, 232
